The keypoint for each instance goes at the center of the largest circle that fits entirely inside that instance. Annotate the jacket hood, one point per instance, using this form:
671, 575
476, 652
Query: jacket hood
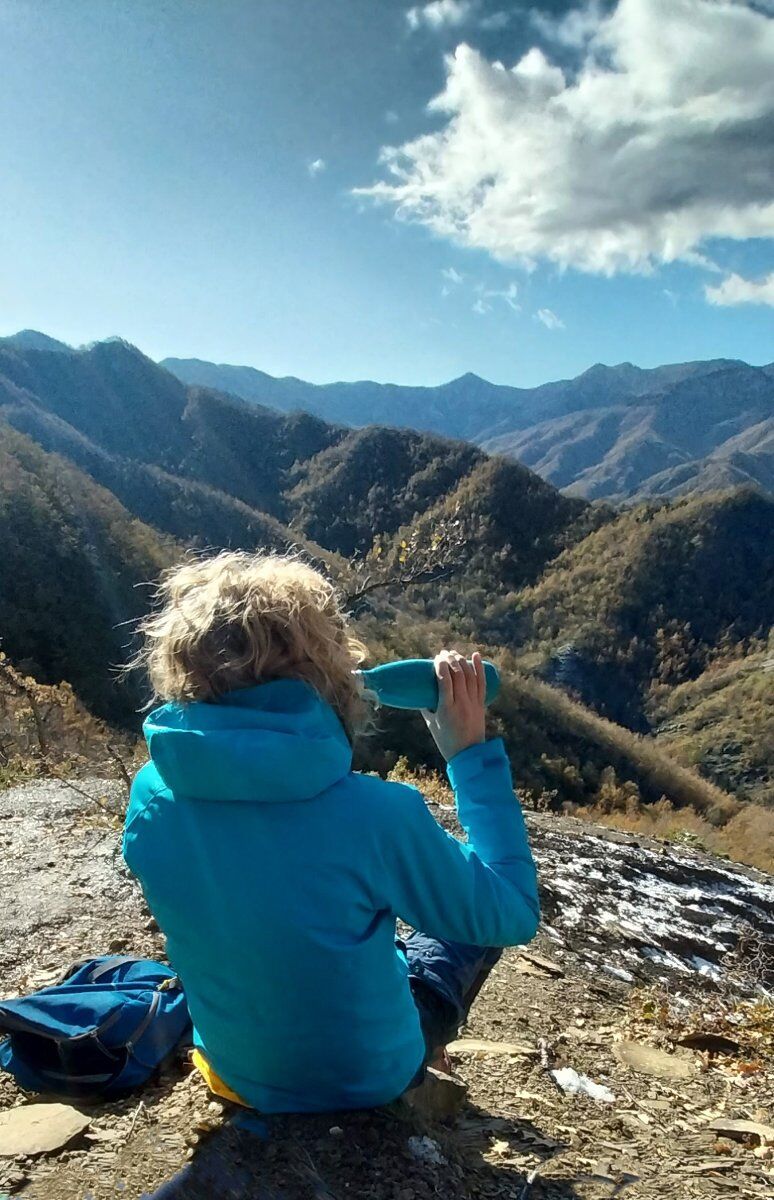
279, 741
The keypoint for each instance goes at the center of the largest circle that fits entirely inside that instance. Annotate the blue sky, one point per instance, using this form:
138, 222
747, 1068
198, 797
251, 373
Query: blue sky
207, 178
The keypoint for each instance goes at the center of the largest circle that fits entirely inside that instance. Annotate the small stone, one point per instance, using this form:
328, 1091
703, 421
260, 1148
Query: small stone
40, 1128
438, 1096
13, 1181
336, 1131
530, 963
426, 1150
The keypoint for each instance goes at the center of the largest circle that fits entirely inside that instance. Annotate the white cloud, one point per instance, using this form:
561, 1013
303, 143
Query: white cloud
316, 166
481, 307
549, 318
439, 14
575, 28
737, 290
391, 117
452, 275
661, 140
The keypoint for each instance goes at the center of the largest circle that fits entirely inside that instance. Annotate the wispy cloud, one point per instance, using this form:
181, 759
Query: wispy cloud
549, 318
316, 166
495, 21
735, 289
439, 14
508, 295
671, 103
481, 307
391, 117
452, 275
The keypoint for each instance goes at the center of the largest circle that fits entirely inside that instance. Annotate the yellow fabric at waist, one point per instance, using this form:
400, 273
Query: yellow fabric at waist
214, 1081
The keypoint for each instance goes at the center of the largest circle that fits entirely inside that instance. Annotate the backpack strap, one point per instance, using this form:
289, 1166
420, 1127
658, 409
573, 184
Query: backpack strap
153, 1008
115, 961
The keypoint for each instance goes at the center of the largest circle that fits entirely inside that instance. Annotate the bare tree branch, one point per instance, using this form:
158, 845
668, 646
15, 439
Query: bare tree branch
117, 759
404, 579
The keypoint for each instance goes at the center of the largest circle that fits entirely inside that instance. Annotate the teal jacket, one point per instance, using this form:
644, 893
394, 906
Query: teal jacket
276, 875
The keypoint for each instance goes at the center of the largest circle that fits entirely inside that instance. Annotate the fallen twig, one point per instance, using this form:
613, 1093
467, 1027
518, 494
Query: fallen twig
139, 1109
528, 1182
80, 791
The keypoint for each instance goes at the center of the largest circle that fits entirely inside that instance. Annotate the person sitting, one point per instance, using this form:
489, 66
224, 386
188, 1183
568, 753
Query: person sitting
276, 872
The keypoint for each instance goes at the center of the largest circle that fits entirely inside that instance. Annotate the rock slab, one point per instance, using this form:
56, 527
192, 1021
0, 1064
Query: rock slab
649, 1060
34, 1129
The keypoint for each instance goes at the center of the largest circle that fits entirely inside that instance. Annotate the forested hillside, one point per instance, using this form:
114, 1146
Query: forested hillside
71, 557
650, 620
653, 598
722, 722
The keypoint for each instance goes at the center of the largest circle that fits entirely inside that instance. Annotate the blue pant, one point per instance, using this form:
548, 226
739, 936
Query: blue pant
445, 979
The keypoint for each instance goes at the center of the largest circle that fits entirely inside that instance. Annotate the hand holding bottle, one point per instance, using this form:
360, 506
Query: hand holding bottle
458, 722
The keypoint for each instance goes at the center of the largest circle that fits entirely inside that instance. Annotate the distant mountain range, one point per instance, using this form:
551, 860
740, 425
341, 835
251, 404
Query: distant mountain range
618, 433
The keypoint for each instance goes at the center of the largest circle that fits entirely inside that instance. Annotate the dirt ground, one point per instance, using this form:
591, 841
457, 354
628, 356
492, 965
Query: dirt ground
577, 998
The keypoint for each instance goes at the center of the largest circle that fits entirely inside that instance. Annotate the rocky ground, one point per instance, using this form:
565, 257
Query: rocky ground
647, 987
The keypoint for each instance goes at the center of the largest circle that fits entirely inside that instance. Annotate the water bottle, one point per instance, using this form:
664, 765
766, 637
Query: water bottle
413, 683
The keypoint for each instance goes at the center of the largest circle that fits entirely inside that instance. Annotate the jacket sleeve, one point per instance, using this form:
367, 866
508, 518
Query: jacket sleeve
483, 893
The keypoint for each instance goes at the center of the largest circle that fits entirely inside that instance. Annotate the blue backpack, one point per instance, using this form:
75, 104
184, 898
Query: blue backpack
103, 1030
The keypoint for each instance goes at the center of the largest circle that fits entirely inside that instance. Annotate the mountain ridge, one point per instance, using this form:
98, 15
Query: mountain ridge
620, 433
651, 416
190, 449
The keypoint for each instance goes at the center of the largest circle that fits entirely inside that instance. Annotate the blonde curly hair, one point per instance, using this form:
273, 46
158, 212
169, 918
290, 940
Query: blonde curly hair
233, 620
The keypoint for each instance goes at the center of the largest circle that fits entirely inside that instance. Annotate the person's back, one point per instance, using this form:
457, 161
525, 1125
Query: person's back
277, 874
